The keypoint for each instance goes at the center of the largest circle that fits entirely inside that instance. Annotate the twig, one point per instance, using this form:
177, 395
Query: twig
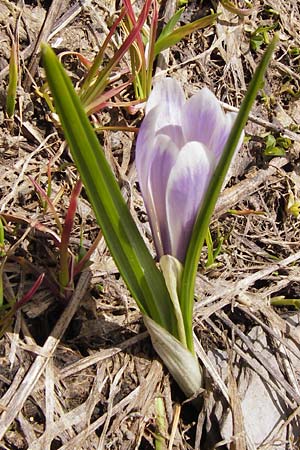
245, 188
43, 36
273, 371
264, 123
70, 15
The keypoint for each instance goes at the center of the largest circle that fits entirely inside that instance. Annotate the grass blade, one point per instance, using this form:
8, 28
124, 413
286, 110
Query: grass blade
126, 245
169, 27
167, 40
202, 223
13, 81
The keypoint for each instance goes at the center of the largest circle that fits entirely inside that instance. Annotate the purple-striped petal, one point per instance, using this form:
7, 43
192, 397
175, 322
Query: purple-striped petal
204, 121
186, 188
178, 148
174, 132
165, 155
168, 95
219, 139
144, 150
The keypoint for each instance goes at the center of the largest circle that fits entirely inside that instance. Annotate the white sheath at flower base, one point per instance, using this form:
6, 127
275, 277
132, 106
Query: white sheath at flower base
181, 363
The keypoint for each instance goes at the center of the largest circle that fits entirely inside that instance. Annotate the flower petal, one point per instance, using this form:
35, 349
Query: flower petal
168, 95
162, 112
174, 132
186, 188
165, 154
144, 149
219, 139
205, 121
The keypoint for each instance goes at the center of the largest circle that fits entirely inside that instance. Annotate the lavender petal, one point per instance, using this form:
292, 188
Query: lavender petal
168, 95
144, 151
205, 121
165, 154
186, 188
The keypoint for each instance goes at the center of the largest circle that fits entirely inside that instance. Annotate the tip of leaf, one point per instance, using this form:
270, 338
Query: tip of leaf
45, 48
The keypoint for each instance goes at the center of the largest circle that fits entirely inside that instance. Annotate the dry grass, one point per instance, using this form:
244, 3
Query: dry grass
83, 375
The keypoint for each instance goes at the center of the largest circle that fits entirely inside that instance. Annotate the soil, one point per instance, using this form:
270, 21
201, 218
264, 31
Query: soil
78, 371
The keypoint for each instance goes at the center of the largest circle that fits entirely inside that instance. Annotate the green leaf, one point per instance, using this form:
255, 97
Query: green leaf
161, 432
274, 151
276, 146
175, 36
169, 27
13, 82
270, 141
126, 245
241, 12
205, 213
256, 41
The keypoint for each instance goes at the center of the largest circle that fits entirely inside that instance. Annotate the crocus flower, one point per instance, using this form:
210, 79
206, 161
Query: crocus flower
178, 147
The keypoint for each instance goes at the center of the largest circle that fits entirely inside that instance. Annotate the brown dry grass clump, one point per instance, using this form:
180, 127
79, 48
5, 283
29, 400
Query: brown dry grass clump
82, 374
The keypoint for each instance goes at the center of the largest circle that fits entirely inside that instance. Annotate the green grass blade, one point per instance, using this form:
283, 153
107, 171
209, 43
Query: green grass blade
13, 82
202, 223
169, 27
126, 245
175, 36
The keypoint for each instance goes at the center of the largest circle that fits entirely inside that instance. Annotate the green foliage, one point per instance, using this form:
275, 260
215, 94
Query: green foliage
141, 44
293, 206
169, 27
2, 240
200, 228
126, 245
261, 36
169, 37
276, 146
13, 81
145, 282
161, 425
213, 252
294, 51
242, 12
280, 300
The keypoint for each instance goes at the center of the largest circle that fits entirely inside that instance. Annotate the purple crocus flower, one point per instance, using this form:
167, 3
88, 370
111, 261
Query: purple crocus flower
178, 148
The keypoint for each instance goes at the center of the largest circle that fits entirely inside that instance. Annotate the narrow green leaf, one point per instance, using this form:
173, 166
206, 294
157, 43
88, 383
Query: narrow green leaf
178, 34
161, 425
210, 249
126, 245
169, 27
98, 87
202, 223
13, 82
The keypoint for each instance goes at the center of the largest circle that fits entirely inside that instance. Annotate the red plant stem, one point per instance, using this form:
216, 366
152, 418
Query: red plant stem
97, 88
101, 102
49, 281
65, 237
95, 66
30, 293
131, 15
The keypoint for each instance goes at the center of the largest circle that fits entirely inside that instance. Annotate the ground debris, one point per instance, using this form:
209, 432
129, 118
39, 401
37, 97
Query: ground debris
82, 374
